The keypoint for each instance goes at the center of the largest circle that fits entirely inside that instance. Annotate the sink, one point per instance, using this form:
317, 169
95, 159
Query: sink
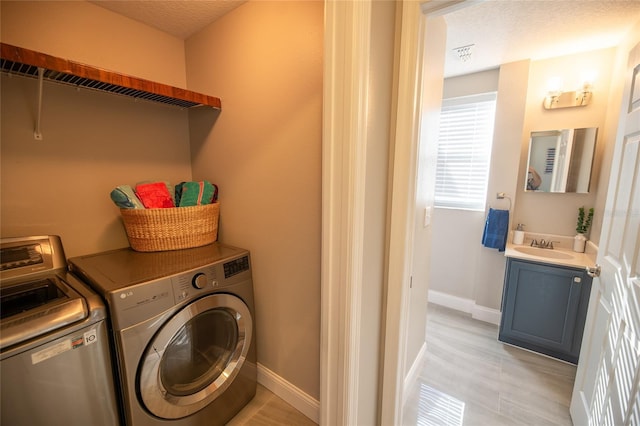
548, 253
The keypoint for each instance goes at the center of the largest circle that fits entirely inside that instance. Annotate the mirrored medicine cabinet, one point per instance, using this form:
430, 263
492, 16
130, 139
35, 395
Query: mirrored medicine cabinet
561, 160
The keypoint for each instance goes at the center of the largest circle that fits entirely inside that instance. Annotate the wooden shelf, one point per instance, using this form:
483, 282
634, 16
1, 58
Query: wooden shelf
17, 60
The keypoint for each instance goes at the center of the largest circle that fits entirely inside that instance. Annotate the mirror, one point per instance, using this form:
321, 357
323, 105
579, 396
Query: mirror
561, 160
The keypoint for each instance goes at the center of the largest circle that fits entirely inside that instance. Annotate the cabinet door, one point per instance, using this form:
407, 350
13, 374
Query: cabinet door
540, 308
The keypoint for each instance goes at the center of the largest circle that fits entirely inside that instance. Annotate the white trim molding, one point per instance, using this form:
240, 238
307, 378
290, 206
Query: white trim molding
410, 41
414, 373
469, 306
490, 315
402, 210
346, 81
289, 393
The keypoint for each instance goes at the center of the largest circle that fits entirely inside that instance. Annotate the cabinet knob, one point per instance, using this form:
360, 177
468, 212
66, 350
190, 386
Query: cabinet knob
594, 271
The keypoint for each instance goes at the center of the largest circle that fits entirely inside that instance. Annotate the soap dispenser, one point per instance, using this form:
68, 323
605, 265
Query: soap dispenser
518, 235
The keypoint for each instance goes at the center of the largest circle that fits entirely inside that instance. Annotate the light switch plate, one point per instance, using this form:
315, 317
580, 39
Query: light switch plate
427, 216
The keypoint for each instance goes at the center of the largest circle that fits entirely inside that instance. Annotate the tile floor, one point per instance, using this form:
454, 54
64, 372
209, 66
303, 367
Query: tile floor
266, 409
468, 378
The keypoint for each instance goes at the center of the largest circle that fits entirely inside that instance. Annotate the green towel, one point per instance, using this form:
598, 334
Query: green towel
195, 193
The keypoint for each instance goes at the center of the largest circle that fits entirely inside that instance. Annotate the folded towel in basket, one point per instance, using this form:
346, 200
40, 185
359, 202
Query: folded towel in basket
154, 195
496, 228
125, 198
195, 193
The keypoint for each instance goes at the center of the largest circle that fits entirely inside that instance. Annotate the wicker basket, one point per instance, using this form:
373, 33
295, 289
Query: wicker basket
171, 228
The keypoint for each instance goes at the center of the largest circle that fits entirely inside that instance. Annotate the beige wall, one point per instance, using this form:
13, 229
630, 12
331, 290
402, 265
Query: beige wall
471, 84
435, 38
557, 213
89, 34
519, 111
510, 117
460, 265
91, 143
457, 233
264, 60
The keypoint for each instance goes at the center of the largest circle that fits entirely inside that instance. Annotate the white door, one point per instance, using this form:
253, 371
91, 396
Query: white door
607, 380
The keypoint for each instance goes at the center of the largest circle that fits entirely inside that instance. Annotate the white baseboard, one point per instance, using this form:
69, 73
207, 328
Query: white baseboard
292, 395
450, 301
413, 373
481, 313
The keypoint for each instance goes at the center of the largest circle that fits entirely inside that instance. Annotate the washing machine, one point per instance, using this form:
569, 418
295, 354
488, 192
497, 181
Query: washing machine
55, 359
183, 330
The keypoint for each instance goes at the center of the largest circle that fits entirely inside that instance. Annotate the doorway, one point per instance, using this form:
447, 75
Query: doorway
606, 122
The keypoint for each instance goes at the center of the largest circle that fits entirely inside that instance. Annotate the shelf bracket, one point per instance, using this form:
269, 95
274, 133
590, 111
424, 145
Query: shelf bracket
37, 135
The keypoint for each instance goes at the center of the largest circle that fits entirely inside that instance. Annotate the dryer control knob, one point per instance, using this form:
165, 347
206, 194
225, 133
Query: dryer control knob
199, 280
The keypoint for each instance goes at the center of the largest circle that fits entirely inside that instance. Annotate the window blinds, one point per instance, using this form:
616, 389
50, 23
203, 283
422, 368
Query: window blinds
464, 151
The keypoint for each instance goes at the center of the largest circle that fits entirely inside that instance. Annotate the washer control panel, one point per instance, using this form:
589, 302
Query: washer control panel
189, 284
236, 266
199, 280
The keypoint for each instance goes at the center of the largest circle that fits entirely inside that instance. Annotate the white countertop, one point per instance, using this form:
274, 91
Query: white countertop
576, 260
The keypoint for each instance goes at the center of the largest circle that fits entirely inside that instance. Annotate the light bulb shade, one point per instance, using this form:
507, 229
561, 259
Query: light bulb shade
578, 98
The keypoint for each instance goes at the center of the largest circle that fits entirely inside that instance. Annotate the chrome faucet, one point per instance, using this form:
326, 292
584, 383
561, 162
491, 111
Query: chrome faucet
542, 243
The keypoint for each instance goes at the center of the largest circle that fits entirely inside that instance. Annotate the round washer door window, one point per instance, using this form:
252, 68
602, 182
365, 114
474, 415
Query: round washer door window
195, 356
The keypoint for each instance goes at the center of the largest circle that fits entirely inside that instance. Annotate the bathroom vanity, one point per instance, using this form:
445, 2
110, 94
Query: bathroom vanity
545, 300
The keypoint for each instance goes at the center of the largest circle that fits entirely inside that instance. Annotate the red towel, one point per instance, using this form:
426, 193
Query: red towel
154, 195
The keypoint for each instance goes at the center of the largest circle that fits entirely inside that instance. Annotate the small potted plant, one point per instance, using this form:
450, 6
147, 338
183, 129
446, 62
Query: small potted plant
582, 227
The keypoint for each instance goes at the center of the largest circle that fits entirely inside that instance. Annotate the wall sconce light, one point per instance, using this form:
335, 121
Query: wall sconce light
556, 98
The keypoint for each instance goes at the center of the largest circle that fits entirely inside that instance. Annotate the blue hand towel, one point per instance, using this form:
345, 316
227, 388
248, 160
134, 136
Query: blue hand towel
495, 229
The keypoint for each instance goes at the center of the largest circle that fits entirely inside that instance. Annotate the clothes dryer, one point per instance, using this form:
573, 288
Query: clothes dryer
183, 327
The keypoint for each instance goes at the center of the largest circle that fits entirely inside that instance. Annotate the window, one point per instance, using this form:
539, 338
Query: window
464, 151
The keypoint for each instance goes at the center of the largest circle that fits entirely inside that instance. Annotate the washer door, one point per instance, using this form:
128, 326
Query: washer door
195, 356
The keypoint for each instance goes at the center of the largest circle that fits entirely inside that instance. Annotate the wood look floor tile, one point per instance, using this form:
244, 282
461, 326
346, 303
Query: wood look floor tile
468, 378
278, 412
263, 396
267, 409
497, 384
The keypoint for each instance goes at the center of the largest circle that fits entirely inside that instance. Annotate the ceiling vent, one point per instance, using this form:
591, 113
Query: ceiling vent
464, 52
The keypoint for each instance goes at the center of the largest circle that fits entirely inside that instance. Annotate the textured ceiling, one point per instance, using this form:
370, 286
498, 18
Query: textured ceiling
180, 18
501, 30
506, 30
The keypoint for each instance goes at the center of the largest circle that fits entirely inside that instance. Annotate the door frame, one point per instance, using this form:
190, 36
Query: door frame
344, 136
346, 60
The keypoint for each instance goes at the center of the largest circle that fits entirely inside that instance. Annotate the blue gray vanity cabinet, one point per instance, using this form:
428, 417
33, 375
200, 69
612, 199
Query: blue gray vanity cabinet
544, 308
